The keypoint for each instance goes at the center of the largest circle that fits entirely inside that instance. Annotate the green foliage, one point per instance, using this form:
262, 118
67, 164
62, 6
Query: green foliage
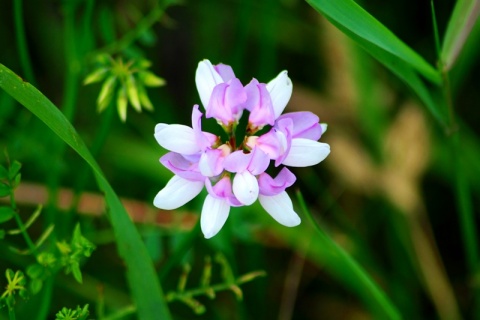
126, 81
70, 314
16, 283
206, 288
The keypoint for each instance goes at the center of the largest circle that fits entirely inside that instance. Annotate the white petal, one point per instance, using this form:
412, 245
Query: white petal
214, 214
206, 79
280, 90
245, 188
306, 152
280, 207
324, 127
177, 192
177, 138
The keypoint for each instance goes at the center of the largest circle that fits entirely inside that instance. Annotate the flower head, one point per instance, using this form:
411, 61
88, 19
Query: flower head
235, 175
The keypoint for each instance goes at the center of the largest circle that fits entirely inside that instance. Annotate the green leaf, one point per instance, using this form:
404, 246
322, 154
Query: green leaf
35, 271
144, 100
463, 18
14, 169
369, 33
146, 290
6, 213
3, 172
4, 190
35, 286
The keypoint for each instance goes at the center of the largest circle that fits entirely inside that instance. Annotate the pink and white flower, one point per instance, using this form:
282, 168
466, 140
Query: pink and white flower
235, 175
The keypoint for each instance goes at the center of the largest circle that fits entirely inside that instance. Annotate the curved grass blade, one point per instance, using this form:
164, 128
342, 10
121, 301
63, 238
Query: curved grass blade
367, 31
144, 284
463, 18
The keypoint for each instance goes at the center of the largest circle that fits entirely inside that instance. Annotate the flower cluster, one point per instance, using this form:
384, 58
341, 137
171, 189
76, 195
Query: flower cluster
233, 171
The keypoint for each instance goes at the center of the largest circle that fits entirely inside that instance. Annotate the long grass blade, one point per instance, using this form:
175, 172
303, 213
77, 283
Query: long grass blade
146, 290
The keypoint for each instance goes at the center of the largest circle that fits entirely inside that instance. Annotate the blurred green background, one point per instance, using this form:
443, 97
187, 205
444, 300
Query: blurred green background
386, 194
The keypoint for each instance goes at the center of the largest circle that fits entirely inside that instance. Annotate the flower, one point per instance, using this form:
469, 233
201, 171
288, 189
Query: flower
234, 171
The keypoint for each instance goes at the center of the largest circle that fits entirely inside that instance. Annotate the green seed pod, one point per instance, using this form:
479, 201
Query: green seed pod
106, 93
151, 80
95, 76
122, 104
132, 93
144, 100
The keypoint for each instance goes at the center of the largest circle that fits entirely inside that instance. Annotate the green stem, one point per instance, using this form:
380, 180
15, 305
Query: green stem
22, 41
146, 23
11, 314
182, 249
21, 226
337, 256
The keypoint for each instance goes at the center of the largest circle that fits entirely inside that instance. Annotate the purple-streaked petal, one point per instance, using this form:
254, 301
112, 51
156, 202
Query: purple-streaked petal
225, 71
255, 162
203, 139
206, 78
245, 187
259, 161
214, 215
280, 90
259, 104
223, 190
177, 138
181, 166
211, 162
306, 152
273, 143
226, 102
270, 187
285, 127
237, 161
177, 192
305, 124
280, 207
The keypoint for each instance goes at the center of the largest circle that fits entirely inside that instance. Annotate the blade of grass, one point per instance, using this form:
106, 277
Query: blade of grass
338, 261
22, 41
463, 18
367, 31
146, 290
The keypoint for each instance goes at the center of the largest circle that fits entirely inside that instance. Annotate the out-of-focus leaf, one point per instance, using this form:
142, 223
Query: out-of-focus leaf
146, 290
122, 104
6, 213
368, 32
463, 18
4, 189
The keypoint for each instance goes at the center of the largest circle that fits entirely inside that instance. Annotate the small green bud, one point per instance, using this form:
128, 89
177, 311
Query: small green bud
144, 100
122, 104
35, 286
95, 76
151, 80
106, 93
132, 93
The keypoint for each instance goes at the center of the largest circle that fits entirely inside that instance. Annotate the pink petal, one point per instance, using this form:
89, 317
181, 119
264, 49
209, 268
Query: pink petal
225, 71
270, 187
259, 104
181, 166
305, 124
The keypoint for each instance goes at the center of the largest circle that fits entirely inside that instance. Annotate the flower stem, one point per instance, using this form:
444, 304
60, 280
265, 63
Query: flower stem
336, 256
21, 226
11, 314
